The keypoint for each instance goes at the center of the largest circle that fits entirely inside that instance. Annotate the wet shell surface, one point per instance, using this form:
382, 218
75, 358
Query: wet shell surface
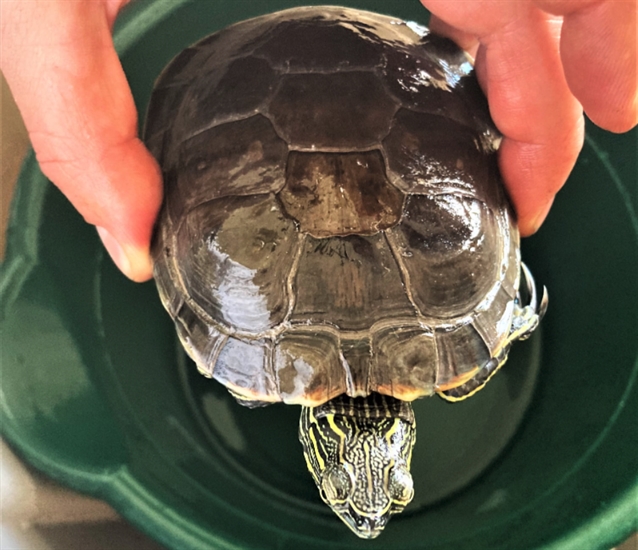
334, 220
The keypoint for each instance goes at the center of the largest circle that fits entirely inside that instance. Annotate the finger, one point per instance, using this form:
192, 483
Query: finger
466, 41
519, 66
533, 106
600, 57
60, 63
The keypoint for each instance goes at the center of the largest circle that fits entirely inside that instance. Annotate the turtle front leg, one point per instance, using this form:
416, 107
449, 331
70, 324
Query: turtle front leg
525, 320
247, 402
477, 382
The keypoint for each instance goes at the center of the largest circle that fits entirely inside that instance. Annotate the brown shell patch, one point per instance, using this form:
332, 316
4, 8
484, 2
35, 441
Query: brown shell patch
340, 194
332, 112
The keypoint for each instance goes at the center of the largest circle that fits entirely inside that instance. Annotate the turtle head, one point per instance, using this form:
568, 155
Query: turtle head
360, 461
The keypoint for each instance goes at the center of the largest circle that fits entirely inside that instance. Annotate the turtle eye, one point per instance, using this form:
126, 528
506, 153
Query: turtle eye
401, 485
336, 484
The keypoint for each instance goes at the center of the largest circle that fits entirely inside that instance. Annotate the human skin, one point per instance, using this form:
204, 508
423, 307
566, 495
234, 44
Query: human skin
540, 63
61, 66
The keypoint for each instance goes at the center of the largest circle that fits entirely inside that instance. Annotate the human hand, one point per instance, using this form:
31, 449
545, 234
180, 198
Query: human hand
540, 63
59, 60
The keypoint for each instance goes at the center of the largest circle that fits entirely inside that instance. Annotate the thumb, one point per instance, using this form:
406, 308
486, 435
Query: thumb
59, 60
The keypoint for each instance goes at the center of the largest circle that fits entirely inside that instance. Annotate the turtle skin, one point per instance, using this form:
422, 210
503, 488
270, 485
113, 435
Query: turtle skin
334, 220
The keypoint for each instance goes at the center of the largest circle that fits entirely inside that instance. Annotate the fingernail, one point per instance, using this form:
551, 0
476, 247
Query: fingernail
134, 263
115, 250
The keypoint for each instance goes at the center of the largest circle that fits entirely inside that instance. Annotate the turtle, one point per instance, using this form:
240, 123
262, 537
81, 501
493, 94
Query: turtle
335, 234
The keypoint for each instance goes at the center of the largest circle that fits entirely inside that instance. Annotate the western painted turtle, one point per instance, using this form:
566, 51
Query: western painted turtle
335, 234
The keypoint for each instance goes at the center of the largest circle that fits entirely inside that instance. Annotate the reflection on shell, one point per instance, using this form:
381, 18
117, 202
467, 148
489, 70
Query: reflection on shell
333, 224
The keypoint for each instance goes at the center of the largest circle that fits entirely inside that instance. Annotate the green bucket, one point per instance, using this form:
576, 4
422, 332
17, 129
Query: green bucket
97, 393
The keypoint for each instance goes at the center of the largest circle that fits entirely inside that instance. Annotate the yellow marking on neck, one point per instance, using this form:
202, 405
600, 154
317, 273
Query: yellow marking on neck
336, 429
409, 442
317, 452
410, 449
368, 455
393, 429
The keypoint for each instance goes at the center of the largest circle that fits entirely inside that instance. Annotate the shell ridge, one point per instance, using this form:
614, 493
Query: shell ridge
176, 274
228, 119
292, 277
215, 356
298, 71
405, 276
338, 150
348, 378
270, 368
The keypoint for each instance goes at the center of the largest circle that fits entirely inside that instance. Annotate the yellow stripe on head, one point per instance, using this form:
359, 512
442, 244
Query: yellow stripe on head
337, 430
317, 453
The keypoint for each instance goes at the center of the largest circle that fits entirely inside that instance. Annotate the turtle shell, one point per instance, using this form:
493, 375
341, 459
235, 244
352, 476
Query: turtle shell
334, 219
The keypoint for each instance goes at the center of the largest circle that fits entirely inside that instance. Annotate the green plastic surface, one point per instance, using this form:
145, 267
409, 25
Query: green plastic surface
97, 393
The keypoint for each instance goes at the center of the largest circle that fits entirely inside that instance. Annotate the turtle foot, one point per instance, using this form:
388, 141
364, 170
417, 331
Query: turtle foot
527, 317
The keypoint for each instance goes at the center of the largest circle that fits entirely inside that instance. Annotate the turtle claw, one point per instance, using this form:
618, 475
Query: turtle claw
541, 308
527, 318
544, 301
531, 286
